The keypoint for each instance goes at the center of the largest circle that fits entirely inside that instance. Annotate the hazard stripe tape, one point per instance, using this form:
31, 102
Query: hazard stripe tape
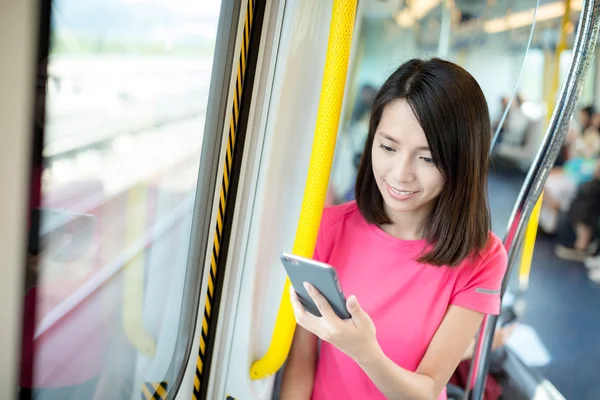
155, 391
223, 196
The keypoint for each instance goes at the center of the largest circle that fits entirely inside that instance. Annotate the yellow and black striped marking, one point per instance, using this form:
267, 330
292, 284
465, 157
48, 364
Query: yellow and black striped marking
223, 198
155, 391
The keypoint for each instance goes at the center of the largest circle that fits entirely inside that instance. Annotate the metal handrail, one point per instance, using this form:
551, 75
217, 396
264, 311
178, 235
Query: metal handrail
583, 51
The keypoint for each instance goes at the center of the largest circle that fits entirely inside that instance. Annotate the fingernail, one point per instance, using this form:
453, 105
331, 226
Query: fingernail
308, 286
352, 302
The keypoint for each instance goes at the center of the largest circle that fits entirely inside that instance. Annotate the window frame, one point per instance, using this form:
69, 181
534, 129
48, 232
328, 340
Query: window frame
206, 198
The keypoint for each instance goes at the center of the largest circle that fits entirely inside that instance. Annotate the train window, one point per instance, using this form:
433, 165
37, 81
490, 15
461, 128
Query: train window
126, 96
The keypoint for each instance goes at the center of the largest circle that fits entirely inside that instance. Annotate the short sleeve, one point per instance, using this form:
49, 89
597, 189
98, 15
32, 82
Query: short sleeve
478, 285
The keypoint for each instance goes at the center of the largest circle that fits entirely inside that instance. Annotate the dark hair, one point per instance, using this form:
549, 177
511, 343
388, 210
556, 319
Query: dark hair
453, 113
589, 110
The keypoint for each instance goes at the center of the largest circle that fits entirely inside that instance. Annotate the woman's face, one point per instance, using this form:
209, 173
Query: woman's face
404, 170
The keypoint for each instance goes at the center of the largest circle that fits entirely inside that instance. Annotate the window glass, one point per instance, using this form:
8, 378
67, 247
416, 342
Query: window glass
126, 94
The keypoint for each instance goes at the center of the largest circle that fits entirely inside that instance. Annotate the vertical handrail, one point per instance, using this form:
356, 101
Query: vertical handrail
532, 226
583, 52
319, 170
529, 246
445, 30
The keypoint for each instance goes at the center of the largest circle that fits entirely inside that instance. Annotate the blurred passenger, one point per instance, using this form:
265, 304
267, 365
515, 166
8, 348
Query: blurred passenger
414, 252
583, 220
588, 145
585, 118
562, 183
574, 137
514, 150
516, 124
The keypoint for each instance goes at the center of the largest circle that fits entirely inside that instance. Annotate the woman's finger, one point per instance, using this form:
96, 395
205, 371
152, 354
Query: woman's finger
303, 318
321, 303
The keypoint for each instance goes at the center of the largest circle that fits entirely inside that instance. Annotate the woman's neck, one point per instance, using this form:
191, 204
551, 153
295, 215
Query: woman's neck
408, 225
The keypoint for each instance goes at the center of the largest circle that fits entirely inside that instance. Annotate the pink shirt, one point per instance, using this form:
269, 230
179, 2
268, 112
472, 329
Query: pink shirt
406, 300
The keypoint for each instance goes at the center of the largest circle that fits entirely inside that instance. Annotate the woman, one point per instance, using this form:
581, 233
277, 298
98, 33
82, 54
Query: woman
414, 252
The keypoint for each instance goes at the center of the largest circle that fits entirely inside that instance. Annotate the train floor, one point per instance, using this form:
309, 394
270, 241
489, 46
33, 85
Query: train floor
562, 304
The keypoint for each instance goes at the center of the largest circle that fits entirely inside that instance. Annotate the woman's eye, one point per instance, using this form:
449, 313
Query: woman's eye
386, 148
428, 160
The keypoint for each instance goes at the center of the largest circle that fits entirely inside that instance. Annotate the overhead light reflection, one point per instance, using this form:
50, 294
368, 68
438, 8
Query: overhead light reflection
416, 10
525, 18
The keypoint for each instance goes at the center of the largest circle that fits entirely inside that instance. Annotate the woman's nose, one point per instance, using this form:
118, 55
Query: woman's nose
404, 170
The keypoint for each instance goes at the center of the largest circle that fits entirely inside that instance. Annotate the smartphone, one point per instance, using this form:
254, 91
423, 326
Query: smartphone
322, 276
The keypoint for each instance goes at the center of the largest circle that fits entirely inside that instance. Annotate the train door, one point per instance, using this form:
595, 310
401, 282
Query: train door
17, 44
138, 134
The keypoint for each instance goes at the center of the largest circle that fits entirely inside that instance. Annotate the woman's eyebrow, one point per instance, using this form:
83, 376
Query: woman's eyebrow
388, 137
391, 139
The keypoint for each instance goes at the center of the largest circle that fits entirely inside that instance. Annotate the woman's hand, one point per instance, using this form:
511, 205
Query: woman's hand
354, 337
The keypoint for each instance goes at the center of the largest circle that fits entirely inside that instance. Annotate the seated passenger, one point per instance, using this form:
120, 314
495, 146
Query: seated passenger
573, 135
588, 144
585, 118
414, 253
516, 124
520, 136
583, 218
576, 127
561, 187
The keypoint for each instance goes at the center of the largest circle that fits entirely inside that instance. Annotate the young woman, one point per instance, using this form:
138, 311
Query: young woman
414, 253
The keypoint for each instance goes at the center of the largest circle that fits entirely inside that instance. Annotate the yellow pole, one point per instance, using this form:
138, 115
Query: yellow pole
133, 275
328, 118
560, 47
531, 232
529, 245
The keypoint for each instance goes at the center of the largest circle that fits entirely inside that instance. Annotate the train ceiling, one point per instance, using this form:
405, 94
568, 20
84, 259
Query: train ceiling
504, 22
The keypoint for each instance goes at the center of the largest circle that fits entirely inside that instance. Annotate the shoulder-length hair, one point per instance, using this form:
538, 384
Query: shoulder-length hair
453, 113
